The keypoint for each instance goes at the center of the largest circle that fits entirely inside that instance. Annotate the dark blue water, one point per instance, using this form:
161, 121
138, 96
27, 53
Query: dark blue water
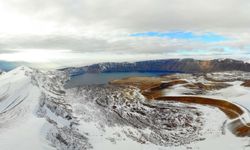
104, 78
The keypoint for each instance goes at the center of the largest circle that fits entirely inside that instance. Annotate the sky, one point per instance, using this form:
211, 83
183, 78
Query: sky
58, 33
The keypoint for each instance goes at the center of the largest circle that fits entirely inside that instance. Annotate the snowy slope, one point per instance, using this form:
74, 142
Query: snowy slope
33, 112
115, 118
36, 112
18, 122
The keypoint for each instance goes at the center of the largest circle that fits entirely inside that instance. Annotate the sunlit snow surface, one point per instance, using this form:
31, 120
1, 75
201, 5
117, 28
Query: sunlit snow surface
20, 128
37, 113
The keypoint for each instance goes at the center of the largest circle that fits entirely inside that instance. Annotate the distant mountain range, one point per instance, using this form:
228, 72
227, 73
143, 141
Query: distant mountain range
166, 65
163, 65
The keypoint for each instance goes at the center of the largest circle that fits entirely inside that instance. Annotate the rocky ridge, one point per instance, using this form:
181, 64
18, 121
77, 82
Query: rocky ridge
165, 65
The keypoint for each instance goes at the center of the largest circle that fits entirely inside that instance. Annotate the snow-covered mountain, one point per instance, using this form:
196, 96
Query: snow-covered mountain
37, 112
34, 114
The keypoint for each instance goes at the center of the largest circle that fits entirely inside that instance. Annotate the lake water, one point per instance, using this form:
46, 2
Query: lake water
104, 78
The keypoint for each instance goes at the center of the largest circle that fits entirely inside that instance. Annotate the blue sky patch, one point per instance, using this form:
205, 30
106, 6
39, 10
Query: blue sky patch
206, 37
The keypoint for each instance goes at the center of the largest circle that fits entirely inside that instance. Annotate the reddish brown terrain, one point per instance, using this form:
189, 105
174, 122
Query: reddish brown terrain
246, 83
152, 88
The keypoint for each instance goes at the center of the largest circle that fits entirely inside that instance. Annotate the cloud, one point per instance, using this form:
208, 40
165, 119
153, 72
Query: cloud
36, 55
125, 28
139, 15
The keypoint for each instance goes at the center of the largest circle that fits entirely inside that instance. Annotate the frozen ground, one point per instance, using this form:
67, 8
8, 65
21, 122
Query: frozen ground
36, 112
20, 128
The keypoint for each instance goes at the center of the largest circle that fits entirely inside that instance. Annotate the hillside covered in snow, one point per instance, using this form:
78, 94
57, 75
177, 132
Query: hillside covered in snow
38, 112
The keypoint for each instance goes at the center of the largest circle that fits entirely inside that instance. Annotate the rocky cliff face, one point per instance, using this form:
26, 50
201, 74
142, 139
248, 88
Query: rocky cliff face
168, 65
52, 106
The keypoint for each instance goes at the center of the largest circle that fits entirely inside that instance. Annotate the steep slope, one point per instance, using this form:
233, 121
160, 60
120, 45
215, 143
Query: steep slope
32, 107
18, 122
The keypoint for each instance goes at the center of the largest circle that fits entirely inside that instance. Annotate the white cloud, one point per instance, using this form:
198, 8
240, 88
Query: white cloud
99, 29
36, 55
